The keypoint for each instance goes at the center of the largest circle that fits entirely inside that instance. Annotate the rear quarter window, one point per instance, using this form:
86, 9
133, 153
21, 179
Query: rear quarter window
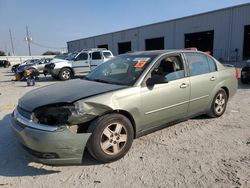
107, 54
212, 64
198, 63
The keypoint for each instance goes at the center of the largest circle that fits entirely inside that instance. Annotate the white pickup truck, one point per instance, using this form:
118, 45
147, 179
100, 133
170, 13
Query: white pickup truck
77, 63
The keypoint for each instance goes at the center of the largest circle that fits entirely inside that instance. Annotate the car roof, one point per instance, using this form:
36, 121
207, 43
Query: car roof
160, 52
93, 50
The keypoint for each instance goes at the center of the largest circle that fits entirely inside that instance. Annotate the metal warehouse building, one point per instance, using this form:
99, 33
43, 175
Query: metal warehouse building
224, 32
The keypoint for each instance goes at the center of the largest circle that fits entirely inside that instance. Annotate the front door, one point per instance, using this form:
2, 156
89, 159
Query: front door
81, 63
169, 101
96, 59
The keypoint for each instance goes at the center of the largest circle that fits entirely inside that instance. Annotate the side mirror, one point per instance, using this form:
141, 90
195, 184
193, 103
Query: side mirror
156, 79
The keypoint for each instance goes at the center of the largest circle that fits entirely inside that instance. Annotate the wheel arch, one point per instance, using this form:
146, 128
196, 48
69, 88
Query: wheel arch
129, 116
117, 111
221, 85
226, 90
67, 67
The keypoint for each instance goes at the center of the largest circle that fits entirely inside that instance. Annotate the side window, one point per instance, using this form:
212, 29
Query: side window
170, 68
212, 64
197, 63
82, 56
96, 56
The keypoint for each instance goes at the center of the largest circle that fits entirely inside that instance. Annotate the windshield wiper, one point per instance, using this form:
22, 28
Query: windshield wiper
103, 81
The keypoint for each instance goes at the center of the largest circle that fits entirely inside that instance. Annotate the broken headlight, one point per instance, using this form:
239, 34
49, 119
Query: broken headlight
69, 114
53, 115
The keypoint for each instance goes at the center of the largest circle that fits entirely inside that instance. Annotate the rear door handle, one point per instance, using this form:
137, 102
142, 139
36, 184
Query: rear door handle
212, 78
183, 85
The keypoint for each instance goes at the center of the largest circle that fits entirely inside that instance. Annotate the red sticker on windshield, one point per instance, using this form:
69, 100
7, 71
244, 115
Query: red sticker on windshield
140, 64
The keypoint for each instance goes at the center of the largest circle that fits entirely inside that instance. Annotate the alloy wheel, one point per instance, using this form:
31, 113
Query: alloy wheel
220, 102
66, 74
113, 138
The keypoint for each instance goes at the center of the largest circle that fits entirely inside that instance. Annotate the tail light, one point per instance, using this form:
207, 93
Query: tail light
208, 52
236, 73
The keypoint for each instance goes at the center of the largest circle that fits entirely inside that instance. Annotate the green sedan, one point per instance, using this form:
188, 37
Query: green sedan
124, 98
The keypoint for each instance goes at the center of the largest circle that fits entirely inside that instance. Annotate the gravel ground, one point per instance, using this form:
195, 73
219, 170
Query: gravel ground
200, 152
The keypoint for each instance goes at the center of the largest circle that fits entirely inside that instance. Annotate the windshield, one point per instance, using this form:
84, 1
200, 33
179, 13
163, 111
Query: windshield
122, 70
72, 56
61, 56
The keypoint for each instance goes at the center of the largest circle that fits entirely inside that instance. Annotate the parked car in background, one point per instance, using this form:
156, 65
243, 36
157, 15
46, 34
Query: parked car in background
15, 67
77, 63
27, 62
38, 64
126, 97
245, 73
4, 63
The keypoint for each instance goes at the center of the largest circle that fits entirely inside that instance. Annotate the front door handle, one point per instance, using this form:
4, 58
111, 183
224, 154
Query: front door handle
212, 78
183, 85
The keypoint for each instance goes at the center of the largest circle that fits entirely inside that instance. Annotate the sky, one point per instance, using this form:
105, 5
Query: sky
52, 23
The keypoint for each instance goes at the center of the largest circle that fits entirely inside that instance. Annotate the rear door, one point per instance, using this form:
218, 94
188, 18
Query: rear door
81, 63
166, 102
203, 78
96, 59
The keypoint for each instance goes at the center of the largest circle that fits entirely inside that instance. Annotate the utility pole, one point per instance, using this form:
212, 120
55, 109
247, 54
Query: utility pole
11, 41
28, 39
5, 47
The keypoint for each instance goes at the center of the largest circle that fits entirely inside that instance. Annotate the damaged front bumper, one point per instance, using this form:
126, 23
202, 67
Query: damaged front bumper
51, 71
48, 144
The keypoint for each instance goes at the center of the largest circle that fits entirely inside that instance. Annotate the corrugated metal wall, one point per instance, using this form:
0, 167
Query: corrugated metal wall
227, 24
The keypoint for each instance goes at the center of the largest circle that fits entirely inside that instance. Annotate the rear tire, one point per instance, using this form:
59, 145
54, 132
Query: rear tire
65, 74
112, 137
219, 104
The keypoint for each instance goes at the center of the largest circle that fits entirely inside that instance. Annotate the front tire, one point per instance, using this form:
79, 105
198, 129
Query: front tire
112, 137
219, 104
65, 74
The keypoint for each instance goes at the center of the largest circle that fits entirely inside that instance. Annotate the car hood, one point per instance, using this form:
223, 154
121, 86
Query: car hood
64, 92
56, 60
